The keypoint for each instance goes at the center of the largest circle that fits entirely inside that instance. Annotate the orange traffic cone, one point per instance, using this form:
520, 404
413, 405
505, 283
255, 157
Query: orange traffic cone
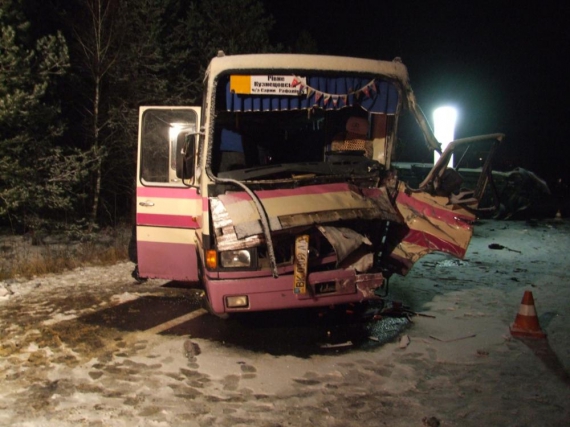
526, 322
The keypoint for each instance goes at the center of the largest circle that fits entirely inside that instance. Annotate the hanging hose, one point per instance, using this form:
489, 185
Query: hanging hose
262, 216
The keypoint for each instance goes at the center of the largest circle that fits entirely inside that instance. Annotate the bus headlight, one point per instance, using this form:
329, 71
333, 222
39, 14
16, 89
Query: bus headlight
235, 259
240, 301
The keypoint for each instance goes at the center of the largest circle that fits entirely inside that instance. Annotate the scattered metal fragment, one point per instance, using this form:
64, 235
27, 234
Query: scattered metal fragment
404, 341
415, 313
338, 345
453, 339
496, 246
451, 263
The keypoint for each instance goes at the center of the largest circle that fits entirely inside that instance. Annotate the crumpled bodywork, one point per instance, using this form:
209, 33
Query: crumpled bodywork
520, 190
432, 225
237, 221
387, 228
420, 223
324, 222
344, 242
439, 214
269, 211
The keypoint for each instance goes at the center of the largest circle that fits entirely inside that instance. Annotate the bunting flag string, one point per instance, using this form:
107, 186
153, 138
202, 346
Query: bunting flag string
371, 93
367, 90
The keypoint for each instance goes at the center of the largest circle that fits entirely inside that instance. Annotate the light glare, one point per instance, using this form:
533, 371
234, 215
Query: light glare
444, 119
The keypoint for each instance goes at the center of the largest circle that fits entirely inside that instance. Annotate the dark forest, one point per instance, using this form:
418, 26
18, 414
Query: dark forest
72, 76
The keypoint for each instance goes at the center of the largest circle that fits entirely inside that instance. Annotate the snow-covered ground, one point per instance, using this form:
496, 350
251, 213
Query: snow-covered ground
90, 347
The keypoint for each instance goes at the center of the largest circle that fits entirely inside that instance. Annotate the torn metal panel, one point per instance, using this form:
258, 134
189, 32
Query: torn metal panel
228, 242
342, 282
290, 221
439, 214
382, 200
436, 178
328, 197
368, 284
252, 228
288, 208
359, 261
229, 229
520, 190
433, 225
344, 240
329, 282
219, 214
226, 237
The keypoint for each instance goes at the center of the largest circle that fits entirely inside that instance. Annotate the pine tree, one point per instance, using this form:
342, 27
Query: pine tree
210, 26
145, 52
36, 178
167, 45
138, 77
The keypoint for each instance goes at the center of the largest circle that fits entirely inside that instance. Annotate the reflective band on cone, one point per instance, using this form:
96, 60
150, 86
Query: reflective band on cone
526, 323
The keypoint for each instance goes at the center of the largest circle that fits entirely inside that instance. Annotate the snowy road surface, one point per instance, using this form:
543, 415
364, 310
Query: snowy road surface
91, 348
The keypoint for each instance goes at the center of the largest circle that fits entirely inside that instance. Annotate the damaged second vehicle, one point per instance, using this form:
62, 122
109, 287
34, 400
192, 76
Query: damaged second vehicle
278, 192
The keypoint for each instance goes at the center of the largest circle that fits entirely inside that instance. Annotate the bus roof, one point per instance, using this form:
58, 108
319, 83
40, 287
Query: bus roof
395, 69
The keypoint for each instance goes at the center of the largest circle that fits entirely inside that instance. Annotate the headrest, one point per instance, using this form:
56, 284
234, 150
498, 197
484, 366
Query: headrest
358, 125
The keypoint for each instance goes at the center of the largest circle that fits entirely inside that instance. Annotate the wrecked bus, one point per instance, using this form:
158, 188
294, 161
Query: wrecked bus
278, 192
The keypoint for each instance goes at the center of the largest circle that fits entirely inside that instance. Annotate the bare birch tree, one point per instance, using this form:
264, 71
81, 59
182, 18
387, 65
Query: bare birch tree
99, 36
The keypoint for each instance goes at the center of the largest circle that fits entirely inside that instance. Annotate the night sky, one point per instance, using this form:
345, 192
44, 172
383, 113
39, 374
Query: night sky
501, 64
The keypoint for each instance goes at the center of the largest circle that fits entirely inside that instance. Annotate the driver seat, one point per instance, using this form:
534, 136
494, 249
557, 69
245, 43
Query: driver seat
354, 137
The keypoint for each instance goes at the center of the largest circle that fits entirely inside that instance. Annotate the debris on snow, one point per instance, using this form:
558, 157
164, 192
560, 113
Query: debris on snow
404, 341
124, 297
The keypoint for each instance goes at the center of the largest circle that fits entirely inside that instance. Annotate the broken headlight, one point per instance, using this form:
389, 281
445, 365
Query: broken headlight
235, 259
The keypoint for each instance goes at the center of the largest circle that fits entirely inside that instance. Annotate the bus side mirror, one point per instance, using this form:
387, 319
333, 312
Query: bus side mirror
185, 145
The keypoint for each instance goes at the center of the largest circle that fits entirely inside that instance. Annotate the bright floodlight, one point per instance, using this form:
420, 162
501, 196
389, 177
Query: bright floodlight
444, 119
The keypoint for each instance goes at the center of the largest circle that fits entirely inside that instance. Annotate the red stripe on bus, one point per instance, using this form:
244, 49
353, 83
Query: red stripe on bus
430, 211
426, 240
168, 192
301, 191
180, 221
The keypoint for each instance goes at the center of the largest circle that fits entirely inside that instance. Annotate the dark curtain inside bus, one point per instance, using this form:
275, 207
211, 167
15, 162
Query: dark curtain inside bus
328, 93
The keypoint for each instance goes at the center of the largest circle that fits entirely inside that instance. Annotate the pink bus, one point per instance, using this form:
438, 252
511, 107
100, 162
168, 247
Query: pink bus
279, 191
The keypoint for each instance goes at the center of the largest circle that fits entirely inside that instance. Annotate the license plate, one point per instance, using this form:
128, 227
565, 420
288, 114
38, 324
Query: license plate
301, 263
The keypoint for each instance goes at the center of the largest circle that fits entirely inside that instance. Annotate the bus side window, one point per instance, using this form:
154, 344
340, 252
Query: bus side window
154, 150
162, 135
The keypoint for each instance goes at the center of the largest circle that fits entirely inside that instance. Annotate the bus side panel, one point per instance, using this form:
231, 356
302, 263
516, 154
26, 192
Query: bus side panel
167, 220
433, 224
169, 208
173, 261
167, 253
